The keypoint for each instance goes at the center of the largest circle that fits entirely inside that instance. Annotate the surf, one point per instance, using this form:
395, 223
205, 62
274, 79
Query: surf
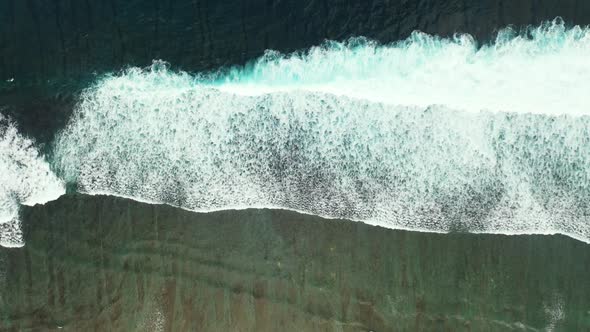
25, 179
526, 71
427, 134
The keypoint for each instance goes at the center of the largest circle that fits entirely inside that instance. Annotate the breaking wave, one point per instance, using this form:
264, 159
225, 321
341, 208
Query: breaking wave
25, 178
426, 134
543, 70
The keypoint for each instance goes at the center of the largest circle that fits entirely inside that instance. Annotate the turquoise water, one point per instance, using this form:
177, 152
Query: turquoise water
521, 71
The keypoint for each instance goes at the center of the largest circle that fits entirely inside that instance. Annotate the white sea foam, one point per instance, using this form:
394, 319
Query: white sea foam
542, 70
427, 134
25, 178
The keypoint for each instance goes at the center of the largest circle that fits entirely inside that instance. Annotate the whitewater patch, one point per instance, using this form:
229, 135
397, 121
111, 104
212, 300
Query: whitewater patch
25, 179
427, 134
541, 70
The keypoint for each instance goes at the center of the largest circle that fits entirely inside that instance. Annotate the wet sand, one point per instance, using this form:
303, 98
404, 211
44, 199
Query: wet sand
111, 264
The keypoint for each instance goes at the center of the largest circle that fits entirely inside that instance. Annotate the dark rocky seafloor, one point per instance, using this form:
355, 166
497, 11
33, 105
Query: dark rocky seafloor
96, 263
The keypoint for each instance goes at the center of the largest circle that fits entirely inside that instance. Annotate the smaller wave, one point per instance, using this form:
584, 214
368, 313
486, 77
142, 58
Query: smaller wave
26, 179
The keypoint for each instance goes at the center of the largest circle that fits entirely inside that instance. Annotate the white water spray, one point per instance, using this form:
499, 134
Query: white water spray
25, 178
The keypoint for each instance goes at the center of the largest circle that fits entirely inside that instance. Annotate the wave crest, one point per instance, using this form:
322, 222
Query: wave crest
525, 72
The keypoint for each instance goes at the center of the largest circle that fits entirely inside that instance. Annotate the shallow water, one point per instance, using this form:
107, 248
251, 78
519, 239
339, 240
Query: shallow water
105, 263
